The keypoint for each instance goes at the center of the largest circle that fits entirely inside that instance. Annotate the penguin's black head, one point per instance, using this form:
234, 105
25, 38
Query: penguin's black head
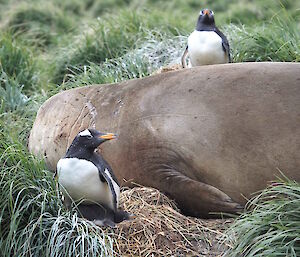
91, 138
205, 20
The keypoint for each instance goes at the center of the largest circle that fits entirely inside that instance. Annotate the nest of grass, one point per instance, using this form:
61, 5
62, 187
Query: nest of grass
159, 229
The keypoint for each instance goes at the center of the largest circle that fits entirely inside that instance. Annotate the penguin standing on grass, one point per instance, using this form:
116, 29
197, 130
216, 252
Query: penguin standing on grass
207, 44
87, 179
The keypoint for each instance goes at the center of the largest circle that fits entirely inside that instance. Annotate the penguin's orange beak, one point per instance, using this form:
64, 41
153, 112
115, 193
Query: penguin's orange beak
206, 12
108, 136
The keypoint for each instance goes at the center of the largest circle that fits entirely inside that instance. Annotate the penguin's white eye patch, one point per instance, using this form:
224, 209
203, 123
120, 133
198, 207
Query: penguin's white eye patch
85, 133
202, 12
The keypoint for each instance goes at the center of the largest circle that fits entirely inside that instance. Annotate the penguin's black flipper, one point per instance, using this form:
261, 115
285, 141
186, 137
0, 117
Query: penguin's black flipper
107, 176
102, 177
183, 58
225, 43
101, 164
105, 164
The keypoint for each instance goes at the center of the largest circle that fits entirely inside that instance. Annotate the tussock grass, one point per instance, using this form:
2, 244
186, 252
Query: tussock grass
75, 8
37, 23
158, 49
17, 62
108, 38
105, 39
276, 40
272, 228
111, 71
11, 96
101, 7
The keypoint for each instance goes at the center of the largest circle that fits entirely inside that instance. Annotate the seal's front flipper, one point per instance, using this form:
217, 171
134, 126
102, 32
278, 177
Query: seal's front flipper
195, 198
201, 200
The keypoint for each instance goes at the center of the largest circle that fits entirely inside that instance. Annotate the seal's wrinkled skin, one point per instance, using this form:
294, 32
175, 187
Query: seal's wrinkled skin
208, 136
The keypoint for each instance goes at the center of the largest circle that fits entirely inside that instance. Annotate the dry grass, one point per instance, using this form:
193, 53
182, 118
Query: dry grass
158, 228
173, 67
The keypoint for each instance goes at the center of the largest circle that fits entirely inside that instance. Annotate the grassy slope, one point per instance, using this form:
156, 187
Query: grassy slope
48, 46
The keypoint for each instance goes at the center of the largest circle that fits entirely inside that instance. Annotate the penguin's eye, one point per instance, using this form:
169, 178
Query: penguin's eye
89, 136
211, 12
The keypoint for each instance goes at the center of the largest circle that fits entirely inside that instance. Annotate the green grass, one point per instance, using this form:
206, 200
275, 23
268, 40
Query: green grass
46, 47
156, 51
272, 227
97, 42
11, 96
39, 23
276, 40
104, 39
17, 62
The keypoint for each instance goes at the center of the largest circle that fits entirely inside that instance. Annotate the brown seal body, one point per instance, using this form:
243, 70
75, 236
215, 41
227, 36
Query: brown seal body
208, 136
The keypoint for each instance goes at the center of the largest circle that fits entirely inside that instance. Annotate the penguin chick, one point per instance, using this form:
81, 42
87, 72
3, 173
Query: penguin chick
206, 44
85, 177
102, 215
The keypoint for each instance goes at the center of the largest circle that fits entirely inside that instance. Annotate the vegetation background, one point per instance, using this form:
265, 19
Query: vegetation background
50, 46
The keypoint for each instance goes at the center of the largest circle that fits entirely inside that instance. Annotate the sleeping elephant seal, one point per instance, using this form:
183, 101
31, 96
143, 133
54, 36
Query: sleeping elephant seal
207, 137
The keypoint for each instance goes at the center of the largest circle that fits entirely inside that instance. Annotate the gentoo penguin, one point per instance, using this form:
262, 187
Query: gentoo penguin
87, 179
206, 44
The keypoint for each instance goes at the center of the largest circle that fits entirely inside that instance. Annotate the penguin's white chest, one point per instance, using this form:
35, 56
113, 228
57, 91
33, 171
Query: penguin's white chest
205, 47
79, 180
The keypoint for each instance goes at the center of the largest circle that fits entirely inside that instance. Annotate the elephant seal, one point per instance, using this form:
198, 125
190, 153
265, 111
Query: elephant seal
208, 136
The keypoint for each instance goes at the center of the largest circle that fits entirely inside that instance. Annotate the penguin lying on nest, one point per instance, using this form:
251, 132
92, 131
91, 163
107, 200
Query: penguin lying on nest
207, 44
87, 179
